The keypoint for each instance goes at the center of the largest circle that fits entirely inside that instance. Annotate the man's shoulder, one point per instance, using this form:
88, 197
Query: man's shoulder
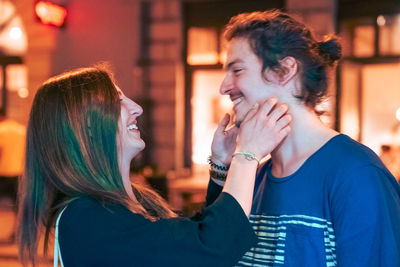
348, 153
357, 166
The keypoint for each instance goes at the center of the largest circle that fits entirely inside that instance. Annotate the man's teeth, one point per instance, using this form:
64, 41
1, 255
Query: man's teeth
132, 127
237, 100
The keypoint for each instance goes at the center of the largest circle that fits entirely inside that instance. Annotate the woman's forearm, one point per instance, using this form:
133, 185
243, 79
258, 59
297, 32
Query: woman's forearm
240, 181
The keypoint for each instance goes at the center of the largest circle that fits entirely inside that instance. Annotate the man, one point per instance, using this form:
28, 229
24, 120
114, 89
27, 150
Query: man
322, 199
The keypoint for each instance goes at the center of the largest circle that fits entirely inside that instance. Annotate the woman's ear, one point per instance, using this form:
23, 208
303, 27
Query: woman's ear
289, 70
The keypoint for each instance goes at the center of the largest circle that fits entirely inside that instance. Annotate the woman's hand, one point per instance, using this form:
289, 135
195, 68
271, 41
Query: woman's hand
224, 142
264, 128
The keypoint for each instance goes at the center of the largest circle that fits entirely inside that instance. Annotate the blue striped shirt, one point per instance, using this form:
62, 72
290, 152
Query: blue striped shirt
340, 208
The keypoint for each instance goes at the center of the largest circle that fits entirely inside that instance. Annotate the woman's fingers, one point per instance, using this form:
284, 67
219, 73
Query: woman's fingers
251, 113
268, 106
285, 131
232, 130
283, 125
284, 121
264, 128
223, 123
279, 111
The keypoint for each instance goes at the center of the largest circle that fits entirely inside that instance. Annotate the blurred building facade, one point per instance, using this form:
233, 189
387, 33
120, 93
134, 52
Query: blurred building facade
168, 54
168, 57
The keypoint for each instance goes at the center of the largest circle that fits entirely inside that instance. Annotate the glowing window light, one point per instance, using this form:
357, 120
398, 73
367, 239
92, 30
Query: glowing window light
398, 114
208, 108
50, 14
363, 42
381, 20
202, 46
23, 92
13, 40
17, 77
15, 33
222, 57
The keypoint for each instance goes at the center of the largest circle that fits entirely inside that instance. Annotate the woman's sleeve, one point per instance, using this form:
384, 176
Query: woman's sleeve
220, 239
366, 218
213, 191
114, 238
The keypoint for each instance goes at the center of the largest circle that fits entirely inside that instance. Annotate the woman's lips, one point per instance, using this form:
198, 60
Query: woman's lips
132, 127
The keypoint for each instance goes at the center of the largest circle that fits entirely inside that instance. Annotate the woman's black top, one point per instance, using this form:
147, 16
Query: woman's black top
93, 234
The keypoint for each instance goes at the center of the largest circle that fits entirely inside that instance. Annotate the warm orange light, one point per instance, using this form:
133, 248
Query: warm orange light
15, 33
50, 14
208, 108
199, 59
398, 114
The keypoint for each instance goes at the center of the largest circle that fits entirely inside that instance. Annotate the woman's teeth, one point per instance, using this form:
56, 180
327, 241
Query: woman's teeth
132, 127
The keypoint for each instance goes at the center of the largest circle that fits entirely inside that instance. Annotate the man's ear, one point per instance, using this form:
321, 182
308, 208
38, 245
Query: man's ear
289, 70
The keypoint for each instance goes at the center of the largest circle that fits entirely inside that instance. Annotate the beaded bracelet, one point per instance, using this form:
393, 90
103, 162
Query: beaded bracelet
247, 155
218, 175
216, 166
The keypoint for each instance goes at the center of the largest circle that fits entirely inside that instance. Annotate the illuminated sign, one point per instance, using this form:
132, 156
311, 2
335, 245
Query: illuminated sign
50, 13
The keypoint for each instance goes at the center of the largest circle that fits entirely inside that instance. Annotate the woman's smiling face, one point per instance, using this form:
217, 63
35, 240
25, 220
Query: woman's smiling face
128, 137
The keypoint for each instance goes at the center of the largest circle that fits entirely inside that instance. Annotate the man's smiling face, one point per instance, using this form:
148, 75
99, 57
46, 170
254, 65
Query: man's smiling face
243, 80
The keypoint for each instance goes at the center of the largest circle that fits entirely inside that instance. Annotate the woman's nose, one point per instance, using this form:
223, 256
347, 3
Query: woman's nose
136, 109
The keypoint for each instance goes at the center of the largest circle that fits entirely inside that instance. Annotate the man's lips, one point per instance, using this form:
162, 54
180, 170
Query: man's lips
237, 100
234, 97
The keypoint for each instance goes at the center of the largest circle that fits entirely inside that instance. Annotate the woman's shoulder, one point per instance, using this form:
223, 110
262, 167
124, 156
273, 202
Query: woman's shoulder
90, 212
80, 211
84, 206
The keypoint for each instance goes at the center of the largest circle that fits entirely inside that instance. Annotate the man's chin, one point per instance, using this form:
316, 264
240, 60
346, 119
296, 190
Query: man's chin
237, 120
239, 115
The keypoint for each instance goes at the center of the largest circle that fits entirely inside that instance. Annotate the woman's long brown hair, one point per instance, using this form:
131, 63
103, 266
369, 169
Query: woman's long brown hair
71, 151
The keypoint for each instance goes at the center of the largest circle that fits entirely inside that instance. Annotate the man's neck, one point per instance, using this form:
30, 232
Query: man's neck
308, 134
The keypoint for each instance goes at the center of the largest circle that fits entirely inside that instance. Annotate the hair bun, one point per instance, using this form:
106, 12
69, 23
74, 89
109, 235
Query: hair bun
330, 49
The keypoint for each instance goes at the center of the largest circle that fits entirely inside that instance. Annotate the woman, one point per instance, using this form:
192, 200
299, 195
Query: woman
325, 199
82, 136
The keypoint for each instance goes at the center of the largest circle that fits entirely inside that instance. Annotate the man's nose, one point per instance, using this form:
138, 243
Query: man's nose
226, 86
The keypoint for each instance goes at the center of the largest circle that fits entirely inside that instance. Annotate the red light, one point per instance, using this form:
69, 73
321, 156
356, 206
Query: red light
50, 14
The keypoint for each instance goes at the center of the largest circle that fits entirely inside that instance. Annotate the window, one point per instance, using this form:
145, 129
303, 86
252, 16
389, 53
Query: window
205, 55
369, 83
13, 44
